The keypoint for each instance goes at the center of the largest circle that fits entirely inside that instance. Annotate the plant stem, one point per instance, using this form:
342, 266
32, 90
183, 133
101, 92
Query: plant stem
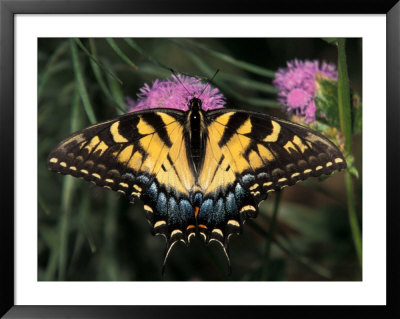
345, 125
264, 274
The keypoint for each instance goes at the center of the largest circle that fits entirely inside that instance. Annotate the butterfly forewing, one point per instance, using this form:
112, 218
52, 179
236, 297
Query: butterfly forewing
139, 155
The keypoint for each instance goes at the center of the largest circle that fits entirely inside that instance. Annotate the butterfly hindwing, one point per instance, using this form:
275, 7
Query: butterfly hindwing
137, 155
248, 155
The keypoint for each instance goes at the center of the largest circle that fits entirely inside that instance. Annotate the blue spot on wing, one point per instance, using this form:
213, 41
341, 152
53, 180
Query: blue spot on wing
231, 207
162, 204
206, 209
219, 212
197, 199
247, 179
186, 209
240, 192
143, 179
150, 195
173, 212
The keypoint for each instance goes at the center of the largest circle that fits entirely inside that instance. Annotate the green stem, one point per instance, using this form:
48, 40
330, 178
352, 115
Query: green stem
344, 96
353, 216
264, 274
345, 125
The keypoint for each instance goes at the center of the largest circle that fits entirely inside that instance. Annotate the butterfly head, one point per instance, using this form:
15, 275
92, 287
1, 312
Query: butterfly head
195, 104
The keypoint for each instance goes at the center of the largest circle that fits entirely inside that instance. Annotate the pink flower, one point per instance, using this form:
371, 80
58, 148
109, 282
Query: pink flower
176, 94
297, 86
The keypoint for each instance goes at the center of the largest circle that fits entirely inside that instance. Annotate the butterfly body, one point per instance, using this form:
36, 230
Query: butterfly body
196, 171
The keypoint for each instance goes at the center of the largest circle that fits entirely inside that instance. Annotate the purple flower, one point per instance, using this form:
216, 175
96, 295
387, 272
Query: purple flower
297, 86
176, 93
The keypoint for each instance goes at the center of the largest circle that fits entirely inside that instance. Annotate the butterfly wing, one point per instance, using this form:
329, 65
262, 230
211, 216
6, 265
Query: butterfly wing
247, 156
137, 155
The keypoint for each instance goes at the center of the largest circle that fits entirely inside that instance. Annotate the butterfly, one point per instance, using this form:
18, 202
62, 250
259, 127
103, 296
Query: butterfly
196, 172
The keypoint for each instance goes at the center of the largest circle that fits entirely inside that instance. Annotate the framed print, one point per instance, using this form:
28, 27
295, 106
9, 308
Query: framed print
169, 124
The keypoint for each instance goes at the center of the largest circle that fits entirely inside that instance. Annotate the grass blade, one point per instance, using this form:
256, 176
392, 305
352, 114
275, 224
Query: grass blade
81, 83
229, 59
248, 83
121, 54
99, 77
95, 59
258, 102
48, 69
133, 44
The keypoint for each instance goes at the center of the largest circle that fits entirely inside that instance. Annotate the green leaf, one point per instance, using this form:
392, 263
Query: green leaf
326, 99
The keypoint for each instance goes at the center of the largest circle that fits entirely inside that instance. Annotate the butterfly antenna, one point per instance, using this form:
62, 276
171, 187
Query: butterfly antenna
179, 80
208, 82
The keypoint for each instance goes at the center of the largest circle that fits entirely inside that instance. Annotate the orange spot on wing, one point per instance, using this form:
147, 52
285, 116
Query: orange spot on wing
190, 227
203, 226
196, 211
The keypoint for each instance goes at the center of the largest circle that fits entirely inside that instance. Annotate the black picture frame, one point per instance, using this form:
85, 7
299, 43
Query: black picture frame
8, 11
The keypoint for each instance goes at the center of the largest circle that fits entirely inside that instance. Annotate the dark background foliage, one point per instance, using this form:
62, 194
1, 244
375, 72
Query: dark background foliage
87, 233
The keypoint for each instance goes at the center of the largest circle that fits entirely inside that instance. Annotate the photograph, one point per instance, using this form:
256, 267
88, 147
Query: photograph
199, 159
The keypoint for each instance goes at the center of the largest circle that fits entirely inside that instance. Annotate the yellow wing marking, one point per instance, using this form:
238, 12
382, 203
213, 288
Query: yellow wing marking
213, 175
276, 129
247, 207
224, 118
102, 147
159, 223
93, 142
289, 146
148, 208
144, 128
156, 148
125, 154
174, 171
118, 138
78, 139
135, 161
245, 128
255, 160
265, 153
302, 147
233, 149
218, 231
166, 118
233, 223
